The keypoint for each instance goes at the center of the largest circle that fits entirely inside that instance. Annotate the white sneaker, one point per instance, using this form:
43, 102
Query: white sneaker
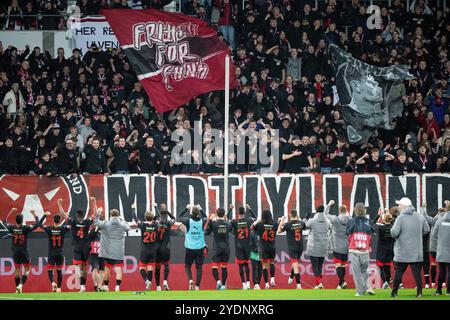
256, 287
370, 292
104, 288
339, 287
117, 289
223, 288
58, 290
357, 295
299, 287
244, 286
401, 286
319, 286
248, 285
272, 282
83, 288
165, 285
267, 286
344, 285
427, 286
148, 284
386, 285
219, 285
290, 280
444, 285
54, 287
197, 288
19, 288
433, 285
158, 288
191, 285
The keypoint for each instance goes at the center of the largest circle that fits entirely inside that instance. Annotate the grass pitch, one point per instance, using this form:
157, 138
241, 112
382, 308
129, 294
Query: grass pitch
273, 294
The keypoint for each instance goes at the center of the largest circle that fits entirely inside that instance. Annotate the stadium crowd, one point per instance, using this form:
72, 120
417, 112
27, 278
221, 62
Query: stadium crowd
86, 112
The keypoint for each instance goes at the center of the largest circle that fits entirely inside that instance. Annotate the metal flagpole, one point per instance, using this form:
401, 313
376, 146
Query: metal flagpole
226, 127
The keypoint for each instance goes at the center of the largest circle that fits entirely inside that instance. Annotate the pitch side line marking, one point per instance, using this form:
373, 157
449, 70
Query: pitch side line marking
14, 298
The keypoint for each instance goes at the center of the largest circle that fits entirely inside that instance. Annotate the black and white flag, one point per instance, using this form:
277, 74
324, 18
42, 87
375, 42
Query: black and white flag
371, 97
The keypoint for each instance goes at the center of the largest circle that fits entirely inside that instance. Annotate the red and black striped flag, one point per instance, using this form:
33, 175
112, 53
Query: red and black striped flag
174, 56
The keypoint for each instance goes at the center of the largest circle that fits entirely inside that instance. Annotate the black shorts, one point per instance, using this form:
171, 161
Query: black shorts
242, 255
96, 262
81, 254
268, 255
21, 257
55, 260
385, 257
111, 263
295, 253
163, 255
220, 257
101, 263
194, 256
340, 258
147, 255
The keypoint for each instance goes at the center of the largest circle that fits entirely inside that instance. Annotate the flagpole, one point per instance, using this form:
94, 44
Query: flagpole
226, 127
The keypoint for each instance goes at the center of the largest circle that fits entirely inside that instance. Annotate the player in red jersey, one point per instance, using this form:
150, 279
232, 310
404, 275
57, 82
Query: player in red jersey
19, 234
163, 250
80, 240
97, 264
55, 259
149, 245
266, 229
241, 227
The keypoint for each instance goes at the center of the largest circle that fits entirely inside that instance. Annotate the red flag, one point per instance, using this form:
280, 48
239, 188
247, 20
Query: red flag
175, 57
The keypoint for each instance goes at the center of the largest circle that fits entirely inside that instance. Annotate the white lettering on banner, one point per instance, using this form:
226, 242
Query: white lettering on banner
89, 31
172, 57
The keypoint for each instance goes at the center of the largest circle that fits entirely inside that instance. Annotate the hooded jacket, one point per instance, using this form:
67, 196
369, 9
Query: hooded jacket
339, 229
443, 239
432, 221
112, 241
408, 229
318, 237
359, 231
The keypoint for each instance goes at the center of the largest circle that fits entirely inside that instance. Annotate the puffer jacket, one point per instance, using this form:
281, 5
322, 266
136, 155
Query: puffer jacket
318, 237
408, 229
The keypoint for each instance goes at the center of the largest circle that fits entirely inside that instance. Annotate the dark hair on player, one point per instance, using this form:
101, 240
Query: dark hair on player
241, 211
57, 218
80, 214
220, 212
19, 219
294, 213
266, 216
320, 208
195, 212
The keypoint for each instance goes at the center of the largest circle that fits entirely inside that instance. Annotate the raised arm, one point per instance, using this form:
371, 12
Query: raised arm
157, 212
12, 211
134, 215
97, 222
39, 223
94, 206
253, 214
230, 212
281, 225
61, 209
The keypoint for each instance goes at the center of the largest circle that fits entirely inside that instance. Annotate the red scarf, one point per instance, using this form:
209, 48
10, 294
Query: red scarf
318, 88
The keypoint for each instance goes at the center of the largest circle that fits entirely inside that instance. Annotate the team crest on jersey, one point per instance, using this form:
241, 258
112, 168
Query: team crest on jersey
41, 194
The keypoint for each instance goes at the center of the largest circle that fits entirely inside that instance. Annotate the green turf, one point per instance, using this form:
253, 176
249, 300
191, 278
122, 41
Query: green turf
404, 294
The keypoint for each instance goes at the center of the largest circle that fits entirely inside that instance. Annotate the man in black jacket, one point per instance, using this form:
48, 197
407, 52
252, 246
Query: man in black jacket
151, 159
121, 152
95, 158
67, 158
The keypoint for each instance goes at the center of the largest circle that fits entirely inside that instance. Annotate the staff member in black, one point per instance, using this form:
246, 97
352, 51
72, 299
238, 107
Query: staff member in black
151, 159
